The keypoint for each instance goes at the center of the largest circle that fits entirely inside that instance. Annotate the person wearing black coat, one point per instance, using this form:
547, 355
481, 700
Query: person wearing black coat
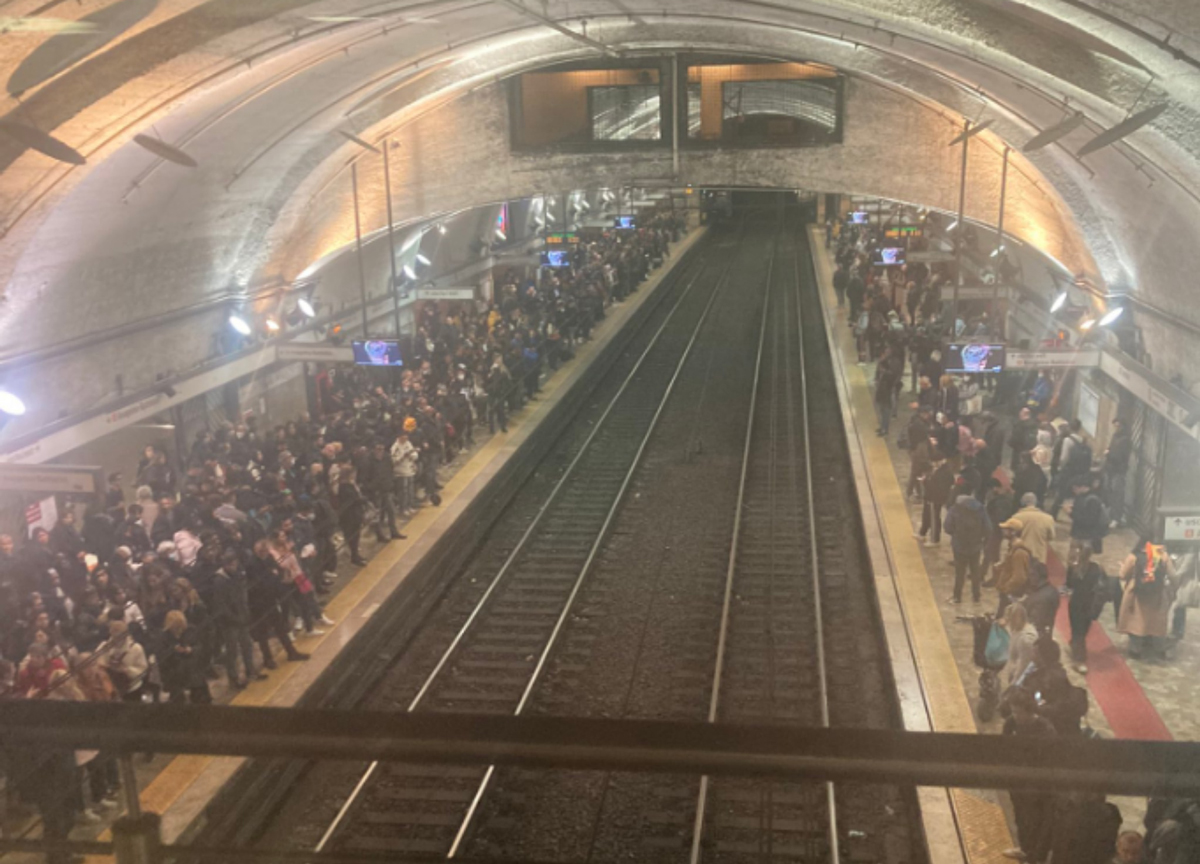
351, 512
265, 588
179, 662
231, 613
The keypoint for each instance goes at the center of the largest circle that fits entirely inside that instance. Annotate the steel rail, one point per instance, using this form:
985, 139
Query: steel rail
822, 673
469, 818
723, 633
476, 613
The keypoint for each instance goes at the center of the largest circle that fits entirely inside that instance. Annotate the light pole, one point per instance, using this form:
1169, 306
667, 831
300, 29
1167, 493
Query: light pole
362, 273
387, 191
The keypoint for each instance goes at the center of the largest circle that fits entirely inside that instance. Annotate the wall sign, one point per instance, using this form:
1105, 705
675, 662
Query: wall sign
445, 293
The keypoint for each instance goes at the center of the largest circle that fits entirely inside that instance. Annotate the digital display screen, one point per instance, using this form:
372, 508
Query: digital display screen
905, 231
556, 258
974, 357
889, 256
377, 352
562, 238
860, 217
625, 222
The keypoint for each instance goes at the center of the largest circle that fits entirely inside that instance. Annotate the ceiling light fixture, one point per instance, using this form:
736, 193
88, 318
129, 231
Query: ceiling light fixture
306, 307
11, 404
1111, 316
1087, 325
1059, 302
239, 324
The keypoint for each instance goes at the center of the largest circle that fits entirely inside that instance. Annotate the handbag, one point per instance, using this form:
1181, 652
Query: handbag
996, 650
1189, 594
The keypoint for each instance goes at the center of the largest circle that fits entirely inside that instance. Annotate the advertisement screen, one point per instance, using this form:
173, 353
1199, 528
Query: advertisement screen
974, 357
556, 258
889, 256
860, 217
377, 352
625, 222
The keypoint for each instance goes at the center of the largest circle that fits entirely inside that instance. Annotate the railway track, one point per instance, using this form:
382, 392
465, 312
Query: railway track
678, 566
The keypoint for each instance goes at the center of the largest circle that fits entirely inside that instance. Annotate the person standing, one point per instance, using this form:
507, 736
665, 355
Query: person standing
1031, 810
920, 451
889, 375
937, 488
179, 661
1088, 584
1089, 519
1042, 600
1074, 463
1012, 574
1146, 578
351, 511
840, 281
968, 525
1023, 437
380, 482
1037, 528
231, 611
1116, 468
404, 470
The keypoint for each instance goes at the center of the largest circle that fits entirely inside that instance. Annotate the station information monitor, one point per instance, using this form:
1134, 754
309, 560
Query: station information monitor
889, 256
556, 258
377, 352
625, 222
860, 217
974, 357
899, 231
562, 238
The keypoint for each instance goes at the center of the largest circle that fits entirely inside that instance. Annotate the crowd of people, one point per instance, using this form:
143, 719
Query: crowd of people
1001, 510
151, 595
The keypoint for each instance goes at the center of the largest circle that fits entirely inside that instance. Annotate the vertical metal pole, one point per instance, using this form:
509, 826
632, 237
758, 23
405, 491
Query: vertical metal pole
1000, 225
362, 273
958, 250
129, 787
387, 191
675, 117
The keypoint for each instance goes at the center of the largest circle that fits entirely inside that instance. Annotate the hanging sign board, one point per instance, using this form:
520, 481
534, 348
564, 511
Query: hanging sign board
1182, 528
445, 293
1053, 359
81, 479
315, 353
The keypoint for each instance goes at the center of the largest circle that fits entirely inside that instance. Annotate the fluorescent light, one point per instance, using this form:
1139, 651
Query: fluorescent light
306, 308
1088, 324
239, 324
410, 272
422, 259
11, 404
441, 229
998, 250
501, 235
953, 225
550, 217
272, 325
1111, 316
1059, 302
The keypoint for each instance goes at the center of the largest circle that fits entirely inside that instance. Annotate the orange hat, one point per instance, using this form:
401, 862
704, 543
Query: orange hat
410, 423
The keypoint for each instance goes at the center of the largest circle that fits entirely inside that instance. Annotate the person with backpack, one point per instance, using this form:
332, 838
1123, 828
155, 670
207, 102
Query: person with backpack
968, 525
1074, 463
1012, 573
1146, 580
1089, 518
1173, 831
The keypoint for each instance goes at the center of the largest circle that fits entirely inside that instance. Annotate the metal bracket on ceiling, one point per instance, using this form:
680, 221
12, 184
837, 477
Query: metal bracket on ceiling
566, 31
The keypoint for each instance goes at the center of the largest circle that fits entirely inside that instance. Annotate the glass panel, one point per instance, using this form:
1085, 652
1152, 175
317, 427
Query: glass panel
626, 113
778, 110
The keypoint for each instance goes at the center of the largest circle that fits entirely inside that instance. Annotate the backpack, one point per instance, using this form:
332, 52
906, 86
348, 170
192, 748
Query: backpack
1079, 461
968, 527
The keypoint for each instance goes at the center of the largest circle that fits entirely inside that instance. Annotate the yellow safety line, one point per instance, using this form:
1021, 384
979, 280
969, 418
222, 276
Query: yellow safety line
982, 823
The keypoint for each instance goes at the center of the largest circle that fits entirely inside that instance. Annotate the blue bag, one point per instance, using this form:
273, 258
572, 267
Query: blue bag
996, 650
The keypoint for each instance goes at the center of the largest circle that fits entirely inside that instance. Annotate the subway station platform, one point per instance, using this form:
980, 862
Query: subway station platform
180, 788
932, 650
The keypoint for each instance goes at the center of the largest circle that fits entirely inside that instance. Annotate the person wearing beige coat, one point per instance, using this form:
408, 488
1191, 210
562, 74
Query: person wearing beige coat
1147, 586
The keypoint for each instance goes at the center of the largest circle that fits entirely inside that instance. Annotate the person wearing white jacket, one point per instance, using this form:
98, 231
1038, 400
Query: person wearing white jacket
404, 467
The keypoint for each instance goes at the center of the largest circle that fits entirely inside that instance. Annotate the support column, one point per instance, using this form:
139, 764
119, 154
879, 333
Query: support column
136, 835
